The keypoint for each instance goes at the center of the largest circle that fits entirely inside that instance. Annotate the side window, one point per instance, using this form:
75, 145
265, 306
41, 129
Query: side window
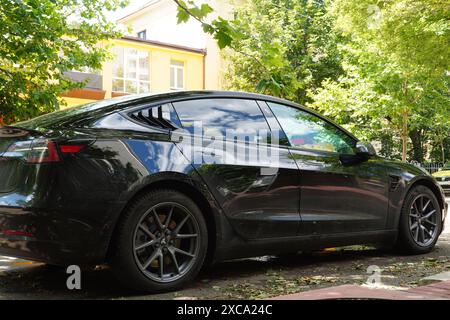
162, 116
307, 131
278, 137
224, 118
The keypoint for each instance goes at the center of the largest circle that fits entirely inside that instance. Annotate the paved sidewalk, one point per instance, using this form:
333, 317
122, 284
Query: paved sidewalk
438, 290
434, 291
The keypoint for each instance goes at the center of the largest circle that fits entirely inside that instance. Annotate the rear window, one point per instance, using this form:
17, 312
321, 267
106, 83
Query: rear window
66, 116
223, 118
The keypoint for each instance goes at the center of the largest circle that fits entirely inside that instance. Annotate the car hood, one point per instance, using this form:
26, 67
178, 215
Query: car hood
443, 173
404, 169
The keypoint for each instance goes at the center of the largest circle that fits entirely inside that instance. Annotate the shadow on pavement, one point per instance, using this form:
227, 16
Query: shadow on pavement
42, 281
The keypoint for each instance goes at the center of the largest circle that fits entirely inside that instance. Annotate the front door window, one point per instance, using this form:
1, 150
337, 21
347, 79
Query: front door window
307, 131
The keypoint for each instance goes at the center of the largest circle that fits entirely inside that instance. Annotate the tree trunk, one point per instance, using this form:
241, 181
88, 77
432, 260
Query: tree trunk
443, 152
404, 135
417, 145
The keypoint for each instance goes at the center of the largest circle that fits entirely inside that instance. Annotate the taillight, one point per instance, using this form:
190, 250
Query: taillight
16, 233
71, 148
43, 151
40, 151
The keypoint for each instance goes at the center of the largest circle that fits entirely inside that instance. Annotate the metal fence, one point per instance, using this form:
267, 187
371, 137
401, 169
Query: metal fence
430, 167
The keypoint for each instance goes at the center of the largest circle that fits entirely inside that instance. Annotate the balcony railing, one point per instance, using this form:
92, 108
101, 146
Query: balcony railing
94, 81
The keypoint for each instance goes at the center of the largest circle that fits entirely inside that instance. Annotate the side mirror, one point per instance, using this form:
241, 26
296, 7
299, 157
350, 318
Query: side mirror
365, 149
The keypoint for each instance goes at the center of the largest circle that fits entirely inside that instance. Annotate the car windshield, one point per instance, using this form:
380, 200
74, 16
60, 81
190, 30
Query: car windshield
50, 120
446, 167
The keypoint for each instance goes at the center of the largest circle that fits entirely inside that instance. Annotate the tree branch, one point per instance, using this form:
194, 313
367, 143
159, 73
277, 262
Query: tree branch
232, 46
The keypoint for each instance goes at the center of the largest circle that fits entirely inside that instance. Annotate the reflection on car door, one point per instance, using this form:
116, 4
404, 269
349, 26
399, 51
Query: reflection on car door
335, 198
259, 197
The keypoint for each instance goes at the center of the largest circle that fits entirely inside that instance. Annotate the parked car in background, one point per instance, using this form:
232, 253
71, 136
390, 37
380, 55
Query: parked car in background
443, 178
159, 185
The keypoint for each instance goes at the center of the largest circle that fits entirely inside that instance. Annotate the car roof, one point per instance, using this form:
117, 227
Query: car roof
195, 94
174, 96
127, 102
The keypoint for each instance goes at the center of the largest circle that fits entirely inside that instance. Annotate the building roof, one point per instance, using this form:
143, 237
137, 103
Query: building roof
165, 45
145, 6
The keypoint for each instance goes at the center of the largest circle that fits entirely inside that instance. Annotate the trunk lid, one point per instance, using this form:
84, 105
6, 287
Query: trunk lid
11, 166
10, 135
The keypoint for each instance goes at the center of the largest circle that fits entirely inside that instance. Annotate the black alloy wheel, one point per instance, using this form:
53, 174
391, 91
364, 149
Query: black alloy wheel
166, 242
160, 243
420, 221
423, 220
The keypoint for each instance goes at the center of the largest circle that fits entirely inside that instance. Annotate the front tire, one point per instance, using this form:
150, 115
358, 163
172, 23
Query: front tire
420, 221
160, 243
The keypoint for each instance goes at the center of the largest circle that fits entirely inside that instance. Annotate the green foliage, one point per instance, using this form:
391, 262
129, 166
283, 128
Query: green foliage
413, 33
186, 10
380, 68
396, 74
40, 41
219, 28
286, 47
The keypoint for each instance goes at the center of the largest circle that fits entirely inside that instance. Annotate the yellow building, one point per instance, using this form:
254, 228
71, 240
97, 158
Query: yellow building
157, 20
139, 66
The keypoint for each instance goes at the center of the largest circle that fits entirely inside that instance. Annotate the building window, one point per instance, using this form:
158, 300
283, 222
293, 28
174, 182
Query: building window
142, 34
131, 71
176, 75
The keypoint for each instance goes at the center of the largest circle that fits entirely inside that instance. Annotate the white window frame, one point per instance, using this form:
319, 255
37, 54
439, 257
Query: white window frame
126, 54
176, 68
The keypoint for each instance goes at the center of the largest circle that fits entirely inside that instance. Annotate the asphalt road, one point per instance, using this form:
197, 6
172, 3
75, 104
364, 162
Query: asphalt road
249, 278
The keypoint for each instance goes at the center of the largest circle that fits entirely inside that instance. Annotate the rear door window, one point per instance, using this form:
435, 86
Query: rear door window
228, 119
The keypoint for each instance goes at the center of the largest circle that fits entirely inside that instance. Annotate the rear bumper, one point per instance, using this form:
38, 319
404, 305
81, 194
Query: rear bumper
60, 237
42, 251
39, 236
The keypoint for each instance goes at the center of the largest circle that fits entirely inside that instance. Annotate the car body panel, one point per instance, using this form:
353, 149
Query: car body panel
259, 201
86, 194
352, 198
443, 178
67, 212
442, 173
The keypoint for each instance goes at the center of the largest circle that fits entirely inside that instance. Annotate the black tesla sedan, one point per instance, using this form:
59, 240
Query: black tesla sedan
159, 185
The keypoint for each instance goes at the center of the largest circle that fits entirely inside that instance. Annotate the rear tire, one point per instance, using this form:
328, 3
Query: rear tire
420, 221
160, 243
